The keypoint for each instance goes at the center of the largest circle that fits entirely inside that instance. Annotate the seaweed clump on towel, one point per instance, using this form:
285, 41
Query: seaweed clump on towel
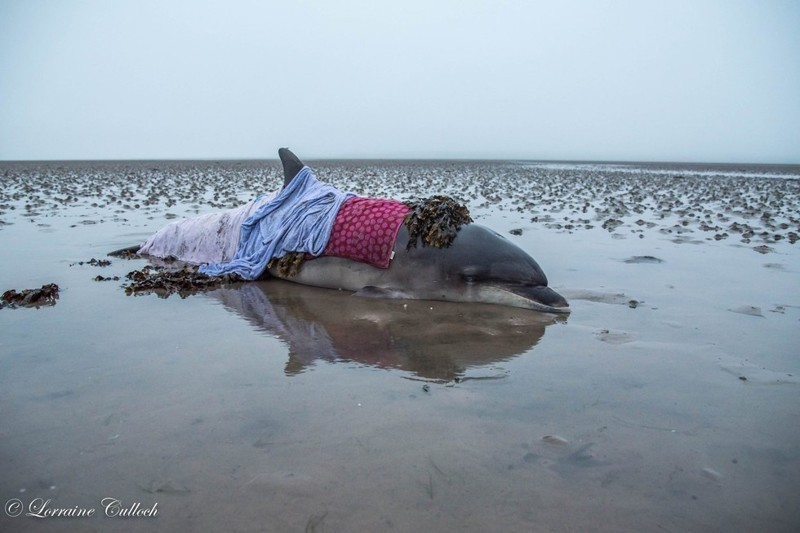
435, 220
164, 282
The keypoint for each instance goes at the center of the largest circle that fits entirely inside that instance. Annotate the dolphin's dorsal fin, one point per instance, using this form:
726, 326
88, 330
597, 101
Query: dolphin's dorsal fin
291, 165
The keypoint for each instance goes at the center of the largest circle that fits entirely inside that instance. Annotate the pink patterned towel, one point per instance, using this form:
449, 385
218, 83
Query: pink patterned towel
365, 230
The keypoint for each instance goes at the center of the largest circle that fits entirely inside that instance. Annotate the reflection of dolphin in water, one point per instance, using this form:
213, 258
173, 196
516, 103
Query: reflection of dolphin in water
432, 340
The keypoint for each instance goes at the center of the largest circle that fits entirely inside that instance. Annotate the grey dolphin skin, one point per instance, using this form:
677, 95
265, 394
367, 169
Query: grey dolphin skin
479, 266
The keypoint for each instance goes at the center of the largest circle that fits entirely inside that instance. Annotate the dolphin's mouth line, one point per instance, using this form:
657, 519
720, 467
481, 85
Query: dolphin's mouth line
538, 306
526, 295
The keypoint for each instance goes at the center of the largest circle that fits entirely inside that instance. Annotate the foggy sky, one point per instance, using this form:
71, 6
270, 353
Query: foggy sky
713, 81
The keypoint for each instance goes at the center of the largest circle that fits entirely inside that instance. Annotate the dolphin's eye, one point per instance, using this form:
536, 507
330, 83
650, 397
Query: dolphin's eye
473, 274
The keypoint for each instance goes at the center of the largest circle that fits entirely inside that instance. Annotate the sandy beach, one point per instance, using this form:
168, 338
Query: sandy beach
666, 401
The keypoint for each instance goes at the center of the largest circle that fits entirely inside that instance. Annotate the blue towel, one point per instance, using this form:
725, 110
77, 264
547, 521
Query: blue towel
299, 219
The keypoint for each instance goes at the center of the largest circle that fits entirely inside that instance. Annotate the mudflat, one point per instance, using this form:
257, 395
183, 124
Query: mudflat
667, 400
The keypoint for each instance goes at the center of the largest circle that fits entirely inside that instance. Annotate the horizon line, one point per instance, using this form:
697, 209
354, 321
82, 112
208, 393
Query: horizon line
401, 158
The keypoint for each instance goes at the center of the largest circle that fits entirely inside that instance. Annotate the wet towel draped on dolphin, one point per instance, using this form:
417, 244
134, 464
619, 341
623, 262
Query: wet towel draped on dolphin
208, 238
298, 219
308, 216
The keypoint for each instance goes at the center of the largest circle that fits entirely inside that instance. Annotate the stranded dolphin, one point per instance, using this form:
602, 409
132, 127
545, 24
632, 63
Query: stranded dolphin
478, 266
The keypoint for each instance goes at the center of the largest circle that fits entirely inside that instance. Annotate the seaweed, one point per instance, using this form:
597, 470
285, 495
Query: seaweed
436, 220
93, 262
44, 296
288, 265
163, 282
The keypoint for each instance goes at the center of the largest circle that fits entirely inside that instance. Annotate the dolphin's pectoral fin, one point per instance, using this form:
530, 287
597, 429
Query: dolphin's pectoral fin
381, 292
291, 165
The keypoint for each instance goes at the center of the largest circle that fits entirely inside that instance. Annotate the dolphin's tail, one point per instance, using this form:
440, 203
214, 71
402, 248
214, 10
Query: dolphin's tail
123, 252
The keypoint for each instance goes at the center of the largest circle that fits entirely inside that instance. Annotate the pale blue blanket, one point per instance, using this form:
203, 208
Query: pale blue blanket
299, 219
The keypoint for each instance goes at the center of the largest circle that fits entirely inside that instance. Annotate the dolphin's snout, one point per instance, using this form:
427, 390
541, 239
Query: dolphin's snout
544, 295
548, 296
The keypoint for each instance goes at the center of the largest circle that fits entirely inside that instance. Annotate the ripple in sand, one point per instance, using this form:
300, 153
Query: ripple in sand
644, 259
711, 474
613, 337
750, 310
555, 439
618, 298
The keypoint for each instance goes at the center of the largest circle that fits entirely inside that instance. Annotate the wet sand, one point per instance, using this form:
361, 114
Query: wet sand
667, 401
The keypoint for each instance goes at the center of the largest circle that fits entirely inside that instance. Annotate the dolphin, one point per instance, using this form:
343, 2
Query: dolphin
479, 266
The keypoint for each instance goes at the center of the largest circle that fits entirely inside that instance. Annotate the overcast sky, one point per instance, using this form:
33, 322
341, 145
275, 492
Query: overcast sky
580, 80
